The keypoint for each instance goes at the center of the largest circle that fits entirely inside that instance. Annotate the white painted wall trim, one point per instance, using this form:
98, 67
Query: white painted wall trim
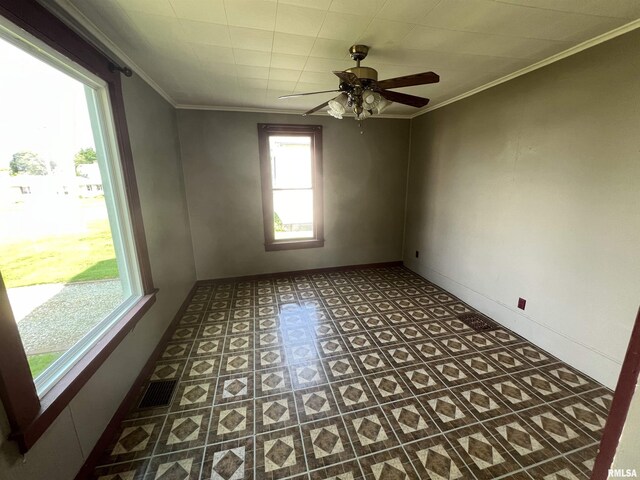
273, 110
543, 63
592, 362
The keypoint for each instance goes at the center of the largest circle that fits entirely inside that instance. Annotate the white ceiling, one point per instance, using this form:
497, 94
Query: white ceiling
246, 53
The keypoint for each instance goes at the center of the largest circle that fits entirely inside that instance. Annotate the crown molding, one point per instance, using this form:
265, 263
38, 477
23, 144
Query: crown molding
543, 63
273, 110
68, 13
60, 7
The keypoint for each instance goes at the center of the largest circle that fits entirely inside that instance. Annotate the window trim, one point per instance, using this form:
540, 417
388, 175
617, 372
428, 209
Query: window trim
29, 415
265, 130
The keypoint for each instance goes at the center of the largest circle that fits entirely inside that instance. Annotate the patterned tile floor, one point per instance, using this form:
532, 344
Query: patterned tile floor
360, 374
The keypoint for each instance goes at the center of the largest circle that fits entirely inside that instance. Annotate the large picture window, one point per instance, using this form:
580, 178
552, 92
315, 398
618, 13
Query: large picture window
74, 272
291, 167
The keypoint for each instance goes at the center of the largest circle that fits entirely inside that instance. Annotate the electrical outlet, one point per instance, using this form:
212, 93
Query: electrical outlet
417, 253
522, 303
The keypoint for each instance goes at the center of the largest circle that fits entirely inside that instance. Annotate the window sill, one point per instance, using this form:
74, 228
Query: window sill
293, 244
56, 400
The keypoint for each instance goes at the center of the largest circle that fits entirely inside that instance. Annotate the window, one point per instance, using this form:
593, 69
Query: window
291, 168
74, 270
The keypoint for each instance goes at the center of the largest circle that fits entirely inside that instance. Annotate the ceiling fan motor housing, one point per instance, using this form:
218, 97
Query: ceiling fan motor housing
364, 73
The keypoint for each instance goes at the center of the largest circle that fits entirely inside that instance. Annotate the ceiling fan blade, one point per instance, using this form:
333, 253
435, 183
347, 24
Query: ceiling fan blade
308, 93
405, 99
319, 107
348, 77
410, 80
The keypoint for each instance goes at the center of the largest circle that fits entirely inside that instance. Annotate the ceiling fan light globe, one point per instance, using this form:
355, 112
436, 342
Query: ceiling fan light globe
336, 107
370, 99
382, 105
335, 114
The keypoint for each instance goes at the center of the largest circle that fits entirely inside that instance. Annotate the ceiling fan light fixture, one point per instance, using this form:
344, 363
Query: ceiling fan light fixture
370, 100
382, 105
339, 104
334, 114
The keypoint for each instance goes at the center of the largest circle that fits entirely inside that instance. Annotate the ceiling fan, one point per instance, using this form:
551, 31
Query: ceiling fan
362, 93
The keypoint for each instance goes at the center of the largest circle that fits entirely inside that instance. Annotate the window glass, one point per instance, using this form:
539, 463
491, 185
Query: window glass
292, 184
66, 248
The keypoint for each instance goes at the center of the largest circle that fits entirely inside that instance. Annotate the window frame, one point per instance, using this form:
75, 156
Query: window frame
266, 130
30, 415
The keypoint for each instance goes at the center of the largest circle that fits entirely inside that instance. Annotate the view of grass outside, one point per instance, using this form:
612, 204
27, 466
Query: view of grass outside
52, 252
63, 258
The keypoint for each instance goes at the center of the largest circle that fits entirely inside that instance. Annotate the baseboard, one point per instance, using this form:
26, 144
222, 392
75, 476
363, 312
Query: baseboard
262, 276
91, 462
591, 362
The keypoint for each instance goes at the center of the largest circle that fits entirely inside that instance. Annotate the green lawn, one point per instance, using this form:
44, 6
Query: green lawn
60, 258
38, 363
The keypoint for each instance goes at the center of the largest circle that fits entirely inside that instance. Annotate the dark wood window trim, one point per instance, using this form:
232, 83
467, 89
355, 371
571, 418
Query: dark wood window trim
29, 416
265, 130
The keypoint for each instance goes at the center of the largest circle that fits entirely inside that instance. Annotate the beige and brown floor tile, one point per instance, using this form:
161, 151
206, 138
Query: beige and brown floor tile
452, 371
238, 343
376, 369
184, 430
233, 388
206, 347
134, 440
410, 420
370, 431
326, 443
340, 367
544, 386
302, 352
169, 370
483, 402
307, 374
434, 458
280, 454
236, 362
521, 440
272, 381
133, 470
599, 398
184, 465
446, 410
269, 357
275, 412
584, 458
229, 461
198, 368
482, 453
230, 421
558, 469
420, 379
315, 403
342, 471
353, 394
176, 351
429, 350
371, 361
389, 464
513, 393
388, 386
480, 365
556, 428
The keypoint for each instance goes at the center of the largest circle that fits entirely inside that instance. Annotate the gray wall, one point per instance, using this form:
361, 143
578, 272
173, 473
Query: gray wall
531, 189
364, 190
61, 451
